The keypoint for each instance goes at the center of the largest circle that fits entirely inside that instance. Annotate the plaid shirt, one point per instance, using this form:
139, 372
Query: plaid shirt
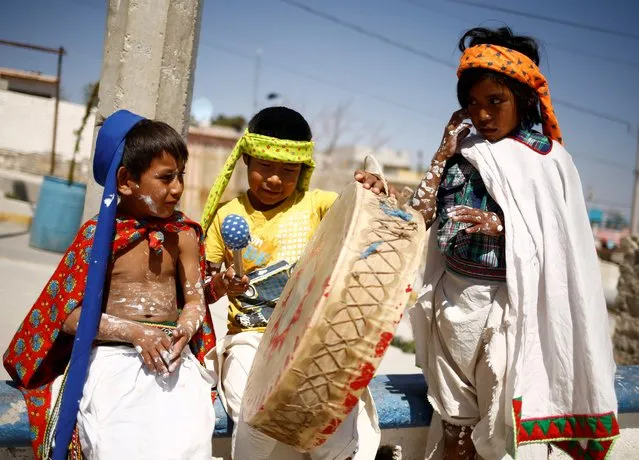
462, 185
536, 141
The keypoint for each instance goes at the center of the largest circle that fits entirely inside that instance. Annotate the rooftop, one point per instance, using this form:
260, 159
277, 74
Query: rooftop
220, 132
26, 75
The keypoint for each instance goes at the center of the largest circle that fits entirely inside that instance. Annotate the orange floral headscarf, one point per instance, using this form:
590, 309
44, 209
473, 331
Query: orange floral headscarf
520, 67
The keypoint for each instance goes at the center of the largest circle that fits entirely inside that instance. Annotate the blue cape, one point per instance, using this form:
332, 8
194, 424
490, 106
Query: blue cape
106, 161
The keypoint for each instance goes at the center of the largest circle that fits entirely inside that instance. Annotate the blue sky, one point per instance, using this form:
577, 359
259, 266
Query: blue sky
316, 65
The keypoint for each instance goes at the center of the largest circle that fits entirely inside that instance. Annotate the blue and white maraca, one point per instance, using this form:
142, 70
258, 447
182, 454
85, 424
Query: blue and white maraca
235, 232
236, 236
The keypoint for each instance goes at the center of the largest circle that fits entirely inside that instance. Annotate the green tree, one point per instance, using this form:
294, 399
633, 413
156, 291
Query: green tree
616, 220
237, 122
89, 90
91, 101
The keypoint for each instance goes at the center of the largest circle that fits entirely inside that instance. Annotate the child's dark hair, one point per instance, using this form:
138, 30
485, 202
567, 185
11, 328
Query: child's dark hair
526, 97
281, 123
146, 141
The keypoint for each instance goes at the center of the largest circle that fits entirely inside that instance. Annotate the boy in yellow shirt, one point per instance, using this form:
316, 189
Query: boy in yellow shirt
282, 215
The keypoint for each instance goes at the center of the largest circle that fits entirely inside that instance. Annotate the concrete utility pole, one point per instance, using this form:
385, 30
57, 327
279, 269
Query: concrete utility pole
634, 216
148, 65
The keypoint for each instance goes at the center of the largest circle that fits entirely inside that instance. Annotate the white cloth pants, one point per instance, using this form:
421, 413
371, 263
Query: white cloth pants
466, 369
357, 437
128, 412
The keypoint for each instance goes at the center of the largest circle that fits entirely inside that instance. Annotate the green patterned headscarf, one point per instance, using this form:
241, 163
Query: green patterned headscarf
264, 148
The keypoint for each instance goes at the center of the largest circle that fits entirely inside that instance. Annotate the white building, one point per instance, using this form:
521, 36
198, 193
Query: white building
26, 125
391, 160
397, 165
22, 81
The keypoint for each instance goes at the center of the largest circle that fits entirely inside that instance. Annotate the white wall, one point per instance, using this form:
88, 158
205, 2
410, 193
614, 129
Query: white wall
26, 125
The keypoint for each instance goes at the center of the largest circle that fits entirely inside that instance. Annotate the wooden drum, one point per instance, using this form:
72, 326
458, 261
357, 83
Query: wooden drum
335, 319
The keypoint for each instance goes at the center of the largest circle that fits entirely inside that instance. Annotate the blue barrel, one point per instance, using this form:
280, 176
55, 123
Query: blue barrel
58, 214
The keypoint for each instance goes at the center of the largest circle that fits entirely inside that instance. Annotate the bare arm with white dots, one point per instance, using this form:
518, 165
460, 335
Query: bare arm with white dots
424, 199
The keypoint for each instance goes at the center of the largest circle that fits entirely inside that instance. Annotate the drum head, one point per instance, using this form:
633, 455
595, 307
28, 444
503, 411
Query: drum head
334, 320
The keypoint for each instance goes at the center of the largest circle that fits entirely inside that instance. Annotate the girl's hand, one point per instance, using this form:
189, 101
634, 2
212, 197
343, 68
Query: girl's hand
453, 135
373, 183
485, 222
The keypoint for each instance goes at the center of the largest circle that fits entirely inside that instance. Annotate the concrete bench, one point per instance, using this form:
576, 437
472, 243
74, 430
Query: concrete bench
404, 415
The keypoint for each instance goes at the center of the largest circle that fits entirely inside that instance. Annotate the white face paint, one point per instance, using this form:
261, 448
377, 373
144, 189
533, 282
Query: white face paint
149, 202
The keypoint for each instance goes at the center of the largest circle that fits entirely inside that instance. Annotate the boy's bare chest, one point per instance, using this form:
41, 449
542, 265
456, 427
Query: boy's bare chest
143, 283
140, 262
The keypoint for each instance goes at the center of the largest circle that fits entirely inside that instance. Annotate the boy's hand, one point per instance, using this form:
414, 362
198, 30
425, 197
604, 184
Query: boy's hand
154, 346
373, 183
230, 284
180, 338
210, 294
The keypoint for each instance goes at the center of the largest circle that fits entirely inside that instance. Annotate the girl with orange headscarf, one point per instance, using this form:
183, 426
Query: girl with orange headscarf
511, 326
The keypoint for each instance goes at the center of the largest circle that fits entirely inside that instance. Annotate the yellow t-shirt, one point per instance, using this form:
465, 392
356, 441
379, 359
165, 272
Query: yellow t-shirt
280, 234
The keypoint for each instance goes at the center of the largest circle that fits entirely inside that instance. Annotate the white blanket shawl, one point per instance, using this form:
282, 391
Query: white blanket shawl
559, 363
